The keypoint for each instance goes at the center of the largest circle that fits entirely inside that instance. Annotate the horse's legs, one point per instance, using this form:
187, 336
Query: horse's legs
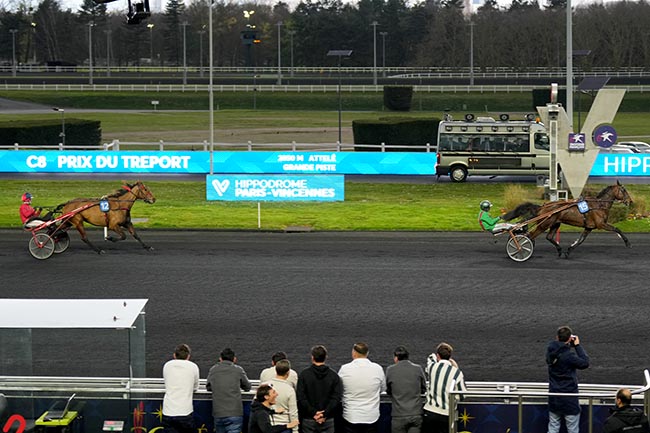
620, 234
578, 241
131, 229
551, 237
117, 229
80, 228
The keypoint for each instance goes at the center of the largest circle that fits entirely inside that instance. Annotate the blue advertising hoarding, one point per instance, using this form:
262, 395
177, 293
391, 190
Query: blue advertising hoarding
400, 163
275, 187
224, 162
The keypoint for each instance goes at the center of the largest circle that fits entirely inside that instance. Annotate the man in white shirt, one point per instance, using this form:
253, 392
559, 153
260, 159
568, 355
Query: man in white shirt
286, 399
363, 382
181, 378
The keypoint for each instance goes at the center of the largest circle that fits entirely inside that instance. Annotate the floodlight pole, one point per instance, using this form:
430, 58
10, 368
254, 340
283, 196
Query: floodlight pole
279, 24
184, 24
569, 64
62, 134
90, 52
471, 53
291, 33
383, 53
210, 82
108, 52
374, 25
13, 51
340, 54
201, 33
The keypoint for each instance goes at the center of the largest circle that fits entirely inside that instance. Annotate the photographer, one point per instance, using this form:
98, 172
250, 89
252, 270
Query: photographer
564, 357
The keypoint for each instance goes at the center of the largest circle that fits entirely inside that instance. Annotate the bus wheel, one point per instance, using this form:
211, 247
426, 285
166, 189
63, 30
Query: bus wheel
458, 173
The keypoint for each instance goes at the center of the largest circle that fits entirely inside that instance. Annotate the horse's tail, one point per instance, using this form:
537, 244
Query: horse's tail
526, 210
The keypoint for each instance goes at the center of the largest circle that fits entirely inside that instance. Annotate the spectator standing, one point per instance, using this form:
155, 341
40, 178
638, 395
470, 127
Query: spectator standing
226, 380
624, 417
262, 413
181, 377
444, 376
286, 399
269, 373
363, 381
319, 393
405, 384
564, 356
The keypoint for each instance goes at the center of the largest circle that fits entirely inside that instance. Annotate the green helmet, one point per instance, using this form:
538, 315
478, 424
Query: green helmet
486, 205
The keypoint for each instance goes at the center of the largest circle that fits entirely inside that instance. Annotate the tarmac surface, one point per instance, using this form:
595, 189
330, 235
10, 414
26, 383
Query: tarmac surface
263, 292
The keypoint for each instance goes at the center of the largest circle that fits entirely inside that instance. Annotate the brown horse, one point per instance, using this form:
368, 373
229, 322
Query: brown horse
116, 214
551, 215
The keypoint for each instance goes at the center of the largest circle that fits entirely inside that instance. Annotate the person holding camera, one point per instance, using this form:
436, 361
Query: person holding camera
564, 357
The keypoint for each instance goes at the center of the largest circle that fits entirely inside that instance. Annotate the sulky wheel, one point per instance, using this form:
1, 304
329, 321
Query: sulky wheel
519, 248
41, 246
61, 242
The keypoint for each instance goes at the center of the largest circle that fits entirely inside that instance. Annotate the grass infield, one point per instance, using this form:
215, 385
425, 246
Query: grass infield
417, 207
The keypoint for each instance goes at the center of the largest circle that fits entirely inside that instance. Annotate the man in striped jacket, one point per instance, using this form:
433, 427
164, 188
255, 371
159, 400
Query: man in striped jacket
443, 375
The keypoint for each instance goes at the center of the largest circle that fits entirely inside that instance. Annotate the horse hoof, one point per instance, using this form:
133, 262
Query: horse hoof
100, 252
148, 248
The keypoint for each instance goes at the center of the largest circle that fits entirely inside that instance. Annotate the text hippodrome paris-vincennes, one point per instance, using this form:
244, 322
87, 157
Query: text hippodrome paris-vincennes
279, 188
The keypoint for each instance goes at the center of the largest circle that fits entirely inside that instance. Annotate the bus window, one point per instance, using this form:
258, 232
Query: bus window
541, 141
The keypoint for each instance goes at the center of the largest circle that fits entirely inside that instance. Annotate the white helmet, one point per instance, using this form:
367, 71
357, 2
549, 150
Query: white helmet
486, 205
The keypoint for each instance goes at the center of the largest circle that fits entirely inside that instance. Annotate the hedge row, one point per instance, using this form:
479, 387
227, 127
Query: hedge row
78, 132
395, 131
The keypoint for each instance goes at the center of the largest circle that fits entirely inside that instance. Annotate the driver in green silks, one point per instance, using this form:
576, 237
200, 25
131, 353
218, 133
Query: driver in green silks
489, 223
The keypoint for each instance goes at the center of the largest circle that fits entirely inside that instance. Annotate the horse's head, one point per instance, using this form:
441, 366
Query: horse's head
621, 194
142, 192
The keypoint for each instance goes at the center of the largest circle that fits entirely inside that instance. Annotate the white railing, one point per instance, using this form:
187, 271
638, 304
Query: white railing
274, 88
117, 145
526, 393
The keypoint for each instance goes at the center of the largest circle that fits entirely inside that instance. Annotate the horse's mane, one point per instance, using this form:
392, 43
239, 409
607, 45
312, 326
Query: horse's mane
605, 191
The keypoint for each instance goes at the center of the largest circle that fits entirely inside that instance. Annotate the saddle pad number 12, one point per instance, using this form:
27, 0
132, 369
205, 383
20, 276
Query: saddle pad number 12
104, 206
583, 207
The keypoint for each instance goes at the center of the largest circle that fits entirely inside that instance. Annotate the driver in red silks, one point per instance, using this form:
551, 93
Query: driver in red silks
28, 215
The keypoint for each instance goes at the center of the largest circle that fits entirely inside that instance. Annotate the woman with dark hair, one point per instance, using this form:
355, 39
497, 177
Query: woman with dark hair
261, 418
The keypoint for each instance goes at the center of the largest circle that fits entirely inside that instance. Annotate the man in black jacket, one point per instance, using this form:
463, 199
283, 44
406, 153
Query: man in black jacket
564, 357
319, 394
624, 417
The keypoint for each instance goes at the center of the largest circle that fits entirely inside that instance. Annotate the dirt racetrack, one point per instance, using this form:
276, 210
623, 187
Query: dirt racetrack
262, 292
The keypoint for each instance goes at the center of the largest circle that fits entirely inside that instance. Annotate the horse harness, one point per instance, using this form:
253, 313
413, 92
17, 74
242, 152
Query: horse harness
105, 203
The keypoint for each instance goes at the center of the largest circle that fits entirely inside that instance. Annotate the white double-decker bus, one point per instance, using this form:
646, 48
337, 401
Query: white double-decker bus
490, 147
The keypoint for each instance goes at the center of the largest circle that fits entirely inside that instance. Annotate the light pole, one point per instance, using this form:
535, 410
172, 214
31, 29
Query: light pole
201, 33
471, 53
291, 33
34, 41
279, 24
184, 24
210, 82
340, 54
108, 52
13, 51
90, 52
383, 53
62, 134
374, 25
150, 26
569, 64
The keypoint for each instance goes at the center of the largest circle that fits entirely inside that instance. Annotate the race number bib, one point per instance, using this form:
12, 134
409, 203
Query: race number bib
104, 206
583, 207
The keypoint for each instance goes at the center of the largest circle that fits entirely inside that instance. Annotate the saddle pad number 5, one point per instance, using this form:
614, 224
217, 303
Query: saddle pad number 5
583, 207
104, 206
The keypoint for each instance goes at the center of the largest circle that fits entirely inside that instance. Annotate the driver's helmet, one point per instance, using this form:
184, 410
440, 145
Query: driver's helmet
27, 198
486, 205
